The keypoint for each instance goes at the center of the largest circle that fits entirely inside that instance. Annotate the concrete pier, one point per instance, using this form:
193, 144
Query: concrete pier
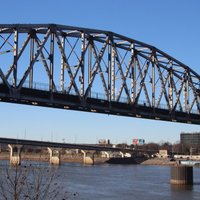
105, 154
54, 155
181, 175
15, 154
122, 154
88, 157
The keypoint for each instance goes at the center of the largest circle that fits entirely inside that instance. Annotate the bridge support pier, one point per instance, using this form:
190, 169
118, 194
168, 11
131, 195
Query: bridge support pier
122, 154
106, 154
88, 157
181, 175
54, 155
15, 154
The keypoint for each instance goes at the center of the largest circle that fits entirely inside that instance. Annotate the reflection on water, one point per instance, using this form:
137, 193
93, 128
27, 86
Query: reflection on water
179, 188
117, 182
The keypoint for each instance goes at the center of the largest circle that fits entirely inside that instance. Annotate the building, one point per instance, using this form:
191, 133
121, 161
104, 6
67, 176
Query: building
104, 142
163, 153
190, 143
191, 139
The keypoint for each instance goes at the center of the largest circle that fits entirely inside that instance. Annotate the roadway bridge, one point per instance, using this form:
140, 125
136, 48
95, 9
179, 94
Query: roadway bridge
54, 148
95, 71
57, 145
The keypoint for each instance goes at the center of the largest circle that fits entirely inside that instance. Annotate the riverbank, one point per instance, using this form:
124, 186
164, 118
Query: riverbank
159, 161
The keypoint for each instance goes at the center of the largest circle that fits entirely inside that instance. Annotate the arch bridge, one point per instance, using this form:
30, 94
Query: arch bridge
96, 71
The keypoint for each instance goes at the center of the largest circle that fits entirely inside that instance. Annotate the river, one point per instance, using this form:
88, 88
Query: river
123, 182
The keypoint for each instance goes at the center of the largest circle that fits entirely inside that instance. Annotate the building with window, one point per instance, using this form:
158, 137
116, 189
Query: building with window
192, 139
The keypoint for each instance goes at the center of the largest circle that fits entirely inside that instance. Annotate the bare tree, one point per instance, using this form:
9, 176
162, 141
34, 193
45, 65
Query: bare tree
31, 183
11, 183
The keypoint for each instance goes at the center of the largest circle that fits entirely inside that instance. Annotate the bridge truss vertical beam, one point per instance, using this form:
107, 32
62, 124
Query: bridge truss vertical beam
109, 69
31, 59
51, 57
62, 70
133, 74
113, 78
15, 58
89, 64
153, 79
186, 92
170, 87
82, 64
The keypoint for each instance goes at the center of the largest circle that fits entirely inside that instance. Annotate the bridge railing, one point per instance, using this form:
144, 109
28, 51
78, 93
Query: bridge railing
96, 95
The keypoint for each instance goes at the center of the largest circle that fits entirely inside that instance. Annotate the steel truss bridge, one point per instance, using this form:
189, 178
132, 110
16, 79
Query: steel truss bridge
94, 70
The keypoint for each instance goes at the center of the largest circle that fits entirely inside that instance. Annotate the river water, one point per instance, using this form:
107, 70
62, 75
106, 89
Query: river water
123, 182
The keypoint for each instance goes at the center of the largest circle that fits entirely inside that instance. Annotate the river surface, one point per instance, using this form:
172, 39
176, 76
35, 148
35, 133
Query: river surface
123, 182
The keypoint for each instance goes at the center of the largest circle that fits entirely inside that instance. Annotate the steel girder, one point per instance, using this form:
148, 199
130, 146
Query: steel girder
95, 64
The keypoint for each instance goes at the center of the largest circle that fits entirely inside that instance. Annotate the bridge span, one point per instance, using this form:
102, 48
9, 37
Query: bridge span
95, 71
58, 145
54, 148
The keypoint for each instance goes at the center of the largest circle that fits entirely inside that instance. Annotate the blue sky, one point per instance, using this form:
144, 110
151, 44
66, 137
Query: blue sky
172, 26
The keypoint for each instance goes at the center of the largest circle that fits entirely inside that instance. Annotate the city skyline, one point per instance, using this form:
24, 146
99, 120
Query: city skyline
176, 33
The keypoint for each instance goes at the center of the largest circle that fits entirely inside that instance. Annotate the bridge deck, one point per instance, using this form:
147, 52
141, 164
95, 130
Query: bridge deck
57, 145
95, 105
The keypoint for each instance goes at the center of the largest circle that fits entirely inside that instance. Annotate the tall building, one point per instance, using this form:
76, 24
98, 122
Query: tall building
190, 139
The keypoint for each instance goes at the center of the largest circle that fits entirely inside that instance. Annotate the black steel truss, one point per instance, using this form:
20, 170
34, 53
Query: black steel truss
94, 70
